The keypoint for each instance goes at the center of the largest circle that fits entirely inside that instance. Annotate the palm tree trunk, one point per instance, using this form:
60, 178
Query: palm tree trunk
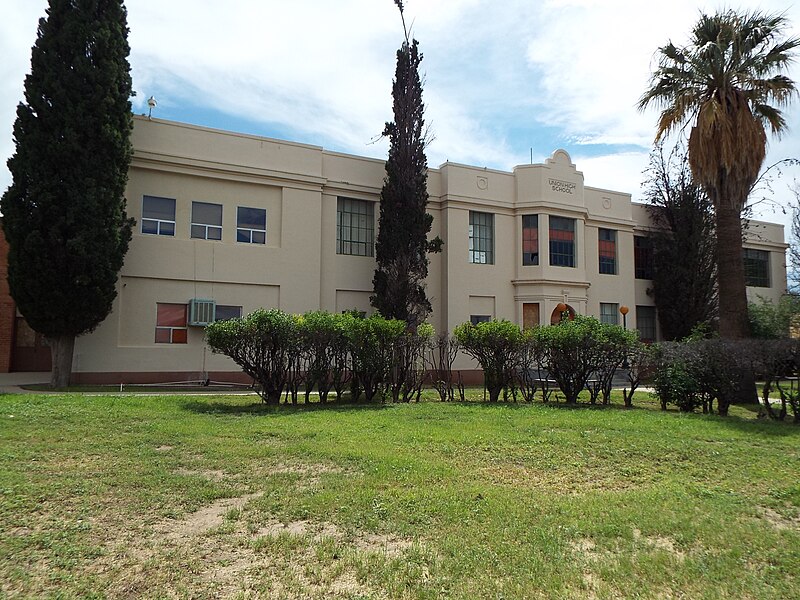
733, 323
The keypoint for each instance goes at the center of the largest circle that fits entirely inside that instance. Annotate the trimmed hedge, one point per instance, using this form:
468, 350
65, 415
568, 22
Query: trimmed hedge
328, 352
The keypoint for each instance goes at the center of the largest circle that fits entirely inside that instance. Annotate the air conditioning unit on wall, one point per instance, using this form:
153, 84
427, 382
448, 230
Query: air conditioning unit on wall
201, 312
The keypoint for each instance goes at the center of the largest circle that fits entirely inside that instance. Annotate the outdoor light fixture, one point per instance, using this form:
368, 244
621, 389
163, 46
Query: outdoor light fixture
623, 310
561, 308
151, 102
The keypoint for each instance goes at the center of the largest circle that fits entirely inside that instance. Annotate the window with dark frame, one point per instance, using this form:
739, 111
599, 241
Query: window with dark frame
530, 239
226, 312
158, 215
171, 323
206, 221
607, 251
251, 225
562, 242
646, 323
355, 227
642, 257
481, 238
756, 267
609, 313
475, 319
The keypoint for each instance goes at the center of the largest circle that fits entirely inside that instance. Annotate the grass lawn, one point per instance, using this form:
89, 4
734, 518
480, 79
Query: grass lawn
219, 496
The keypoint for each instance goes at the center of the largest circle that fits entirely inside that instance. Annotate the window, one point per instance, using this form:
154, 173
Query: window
609, 313
607, 251
562, 242
756, 267
171, 323
158, 215
530, 239
206, 221
642, 257
481, 238
355, 227
646, 323
224, 312
475, 319
251, 225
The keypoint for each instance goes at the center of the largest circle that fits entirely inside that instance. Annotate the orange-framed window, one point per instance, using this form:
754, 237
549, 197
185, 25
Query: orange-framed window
171, 323
530, 239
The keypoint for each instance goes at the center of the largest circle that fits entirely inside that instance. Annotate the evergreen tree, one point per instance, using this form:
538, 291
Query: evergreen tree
729, 83
402, 245
683, 243
64, 213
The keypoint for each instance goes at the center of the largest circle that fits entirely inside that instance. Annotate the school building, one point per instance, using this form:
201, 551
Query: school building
227, 223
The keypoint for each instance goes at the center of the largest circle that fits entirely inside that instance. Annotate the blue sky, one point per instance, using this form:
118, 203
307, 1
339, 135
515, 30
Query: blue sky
501, 78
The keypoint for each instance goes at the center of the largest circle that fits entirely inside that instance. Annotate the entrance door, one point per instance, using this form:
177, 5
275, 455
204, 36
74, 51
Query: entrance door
530, 315
557, 317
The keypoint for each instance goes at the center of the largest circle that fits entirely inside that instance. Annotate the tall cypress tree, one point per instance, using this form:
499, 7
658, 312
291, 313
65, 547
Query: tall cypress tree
402, 245
64, 213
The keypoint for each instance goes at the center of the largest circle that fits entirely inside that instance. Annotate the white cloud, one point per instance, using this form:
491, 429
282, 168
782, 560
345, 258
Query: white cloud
500, 77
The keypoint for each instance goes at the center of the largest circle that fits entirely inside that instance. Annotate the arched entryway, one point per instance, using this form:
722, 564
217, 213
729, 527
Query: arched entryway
561, 312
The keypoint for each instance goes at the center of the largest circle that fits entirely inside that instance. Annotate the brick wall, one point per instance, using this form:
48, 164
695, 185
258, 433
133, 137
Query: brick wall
7, 310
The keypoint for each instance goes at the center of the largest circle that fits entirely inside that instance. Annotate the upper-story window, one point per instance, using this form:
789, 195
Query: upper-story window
530, 239
481, 238
756, 267
607, 251
355, 227
642, 257
206, 221
158, 215
251, 225
562, 242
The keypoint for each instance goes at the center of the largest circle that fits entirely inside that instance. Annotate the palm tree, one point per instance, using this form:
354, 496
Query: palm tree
727, 83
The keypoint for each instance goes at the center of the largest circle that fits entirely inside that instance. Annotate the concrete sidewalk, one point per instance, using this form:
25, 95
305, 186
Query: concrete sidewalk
10, 382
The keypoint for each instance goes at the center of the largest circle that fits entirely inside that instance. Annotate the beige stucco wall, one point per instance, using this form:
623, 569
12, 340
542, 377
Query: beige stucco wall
298, 269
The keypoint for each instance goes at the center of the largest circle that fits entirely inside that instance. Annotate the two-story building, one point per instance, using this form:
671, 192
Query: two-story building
227, 223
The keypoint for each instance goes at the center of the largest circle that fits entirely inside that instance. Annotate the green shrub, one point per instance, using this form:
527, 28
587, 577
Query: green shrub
495, 345
263, 344
773, 321
318, 331
582, 349
675, 383
372, 342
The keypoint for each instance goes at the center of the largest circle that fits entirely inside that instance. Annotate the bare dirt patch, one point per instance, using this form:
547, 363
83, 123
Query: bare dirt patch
203, 520
164, 448
309, 475
659, 542
777, 520
317, 530
571, 482
306, 469
586, 547
590, 581
194, 554
389, 545
210, 474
